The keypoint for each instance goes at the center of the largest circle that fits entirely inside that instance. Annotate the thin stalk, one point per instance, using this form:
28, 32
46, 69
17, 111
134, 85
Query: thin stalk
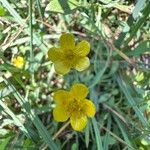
116, 137
39, 9
58, 133
31, 41
60, 130
31, 30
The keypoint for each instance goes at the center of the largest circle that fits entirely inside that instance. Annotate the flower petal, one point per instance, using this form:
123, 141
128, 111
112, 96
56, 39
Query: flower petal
62, 97
78, 123
54, 54
79, 91
18, 62
67, 41
61, 68
89, 108
20, 59
82, 49
83, 63
60, 114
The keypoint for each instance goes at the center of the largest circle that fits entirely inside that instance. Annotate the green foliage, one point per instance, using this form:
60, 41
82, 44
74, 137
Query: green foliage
2, 11
62, 6
118, 77
143, 47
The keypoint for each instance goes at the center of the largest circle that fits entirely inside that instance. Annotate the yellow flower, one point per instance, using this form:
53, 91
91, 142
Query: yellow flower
74, 105
18, 62
69, 55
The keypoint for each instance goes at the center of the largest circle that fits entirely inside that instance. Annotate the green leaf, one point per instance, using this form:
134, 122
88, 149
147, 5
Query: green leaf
60, 6
107, 138
74, 146
17, 122
134, 28
40, 9
97, 134
100, 73
139, 77
20, 21
3, 145
2, 11
124, 132
126, 90
138, 7
140, 49
5, 92
87, 135
34, 118
104, 97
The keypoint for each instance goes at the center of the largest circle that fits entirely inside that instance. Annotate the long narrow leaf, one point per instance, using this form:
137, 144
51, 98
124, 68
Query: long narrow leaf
15, 119
34, 118
97, 134
124, 88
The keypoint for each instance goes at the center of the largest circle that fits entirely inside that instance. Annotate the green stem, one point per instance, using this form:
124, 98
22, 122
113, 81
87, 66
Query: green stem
39, 8
31, 43
31, 31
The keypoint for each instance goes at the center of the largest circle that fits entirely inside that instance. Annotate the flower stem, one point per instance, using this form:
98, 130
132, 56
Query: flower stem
60, 130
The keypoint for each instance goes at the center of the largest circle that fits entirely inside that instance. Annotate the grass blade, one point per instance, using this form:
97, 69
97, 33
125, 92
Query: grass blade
15, 119
39, 9
97, 134
34, 118
124, 133
141, 21
20, 21
126, 91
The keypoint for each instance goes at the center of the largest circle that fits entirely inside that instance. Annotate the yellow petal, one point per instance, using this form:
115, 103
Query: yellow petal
54, 54
61, 68
89, 108
18, 62
19, 58
19, 65
83, 63
82, 49
78, 123
60, 114
67, 41
62, 97
79, 91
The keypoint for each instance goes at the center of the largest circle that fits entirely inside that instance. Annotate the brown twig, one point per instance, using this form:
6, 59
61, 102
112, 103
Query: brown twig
120, 53
5, 46
60, 130
116, 137
58, 133
116, 113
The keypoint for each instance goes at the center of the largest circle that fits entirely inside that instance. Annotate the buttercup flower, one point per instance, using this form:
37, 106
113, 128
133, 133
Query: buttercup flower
69, 55
74, 105
18, 61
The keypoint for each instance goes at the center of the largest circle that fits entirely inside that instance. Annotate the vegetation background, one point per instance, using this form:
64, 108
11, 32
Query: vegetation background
118, 78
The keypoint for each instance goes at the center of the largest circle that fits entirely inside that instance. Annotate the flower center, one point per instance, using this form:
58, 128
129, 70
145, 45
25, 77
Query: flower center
70, 58
75, 107
69, 54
